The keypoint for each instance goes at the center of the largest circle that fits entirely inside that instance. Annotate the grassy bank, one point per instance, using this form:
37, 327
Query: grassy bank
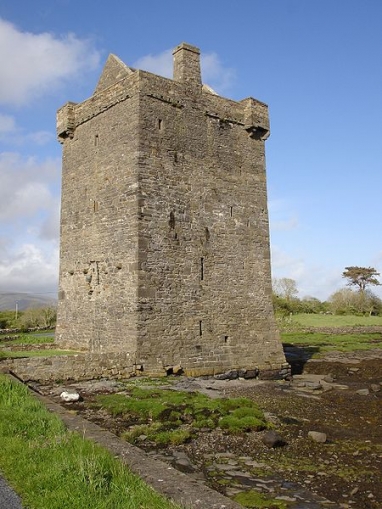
52, 468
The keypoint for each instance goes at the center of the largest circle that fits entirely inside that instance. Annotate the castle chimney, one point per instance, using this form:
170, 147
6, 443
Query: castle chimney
187, 64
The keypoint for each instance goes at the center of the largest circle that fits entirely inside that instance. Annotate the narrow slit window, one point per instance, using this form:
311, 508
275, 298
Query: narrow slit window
200, 328
231, 211
160, 124
95, 206
201, 269
96, 139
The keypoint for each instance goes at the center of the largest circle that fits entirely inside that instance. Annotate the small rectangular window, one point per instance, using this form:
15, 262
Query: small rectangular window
96, 140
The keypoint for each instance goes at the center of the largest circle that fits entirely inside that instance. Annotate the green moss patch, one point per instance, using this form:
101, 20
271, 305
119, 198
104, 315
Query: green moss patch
165, 416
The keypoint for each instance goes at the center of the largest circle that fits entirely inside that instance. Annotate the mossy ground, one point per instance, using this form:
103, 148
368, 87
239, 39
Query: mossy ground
165, 416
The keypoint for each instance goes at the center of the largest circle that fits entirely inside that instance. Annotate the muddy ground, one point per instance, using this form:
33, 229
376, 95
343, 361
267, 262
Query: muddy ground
322, 396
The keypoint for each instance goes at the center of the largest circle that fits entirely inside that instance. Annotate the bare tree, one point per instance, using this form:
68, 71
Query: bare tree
285, 287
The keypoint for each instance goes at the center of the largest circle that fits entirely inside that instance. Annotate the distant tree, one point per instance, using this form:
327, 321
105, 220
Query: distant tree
285, 287
343, 302
38, 317
312, 305
8, 319
361, 277
349, 302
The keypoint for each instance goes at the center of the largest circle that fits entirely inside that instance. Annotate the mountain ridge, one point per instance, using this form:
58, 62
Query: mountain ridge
23, 301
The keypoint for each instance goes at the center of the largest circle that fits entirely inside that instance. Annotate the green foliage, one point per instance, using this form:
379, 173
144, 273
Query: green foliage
38, 317
168, 417
8, 319
361, 277
30, 318
41, 459
347, 301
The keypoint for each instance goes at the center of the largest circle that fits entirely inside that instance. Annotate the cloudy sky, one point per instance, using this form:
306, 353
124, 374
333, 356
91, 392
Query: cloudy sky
316, 63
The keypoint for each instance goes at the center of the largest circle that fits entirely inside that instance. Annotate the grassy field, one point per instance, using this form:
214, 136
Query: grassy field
50, 467
312, 320
32, 339
332, 342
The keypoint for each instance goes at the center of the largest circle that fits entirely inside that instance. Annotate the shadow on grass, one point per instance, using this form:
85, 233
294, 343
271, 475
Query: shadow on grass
297, 356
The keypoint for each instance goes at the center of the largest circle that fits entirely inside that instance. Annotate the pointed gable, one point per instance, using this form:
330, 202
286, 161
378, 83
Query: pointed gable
113, 71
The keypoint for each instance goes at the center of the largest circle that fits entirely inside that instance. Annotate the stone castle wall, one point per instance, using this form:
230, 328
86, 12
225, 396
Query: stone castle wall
164, 227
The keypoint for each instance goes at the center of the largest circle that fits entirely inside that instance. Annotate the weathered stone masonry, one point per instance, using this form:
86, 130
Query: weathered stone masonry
164, 224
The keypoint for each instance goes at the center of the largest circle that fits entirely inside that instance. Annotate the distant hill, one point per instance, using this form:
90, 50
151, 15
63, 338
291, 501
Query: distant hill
25, 301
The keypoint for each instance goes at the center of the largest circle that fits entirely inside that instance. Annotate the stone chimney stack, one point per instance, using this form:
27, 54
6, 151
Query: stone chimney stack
187, 64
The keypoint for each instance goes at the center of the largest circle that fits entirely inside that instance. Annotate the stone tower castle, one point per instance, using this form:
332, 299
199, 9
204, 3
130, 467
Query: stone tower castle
164, 224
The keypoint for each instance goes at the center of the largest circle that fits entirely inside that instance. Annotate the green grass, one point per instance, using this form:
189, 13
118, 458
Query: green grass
50, 467
312, 320
328, 342
171, 417
34, 353
28, 339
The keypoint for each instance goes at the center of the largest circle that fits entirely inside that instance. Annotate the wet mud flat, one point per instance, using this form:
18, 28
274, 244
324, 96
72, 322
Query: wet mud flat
340, 397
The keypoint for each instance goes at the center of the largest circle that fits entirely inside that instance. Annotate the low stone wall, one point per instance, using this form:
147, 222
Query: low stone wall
84, 366
90, 366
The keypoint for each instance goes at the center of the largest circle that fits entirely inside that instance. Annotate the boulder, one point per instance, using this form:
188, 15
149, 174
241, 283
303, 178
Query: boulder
317, 436
69, 397
272, 439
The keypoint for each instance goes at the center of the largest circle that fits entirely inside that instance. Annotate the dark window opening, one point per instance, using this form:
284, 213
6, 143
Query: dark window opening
225, 339
231, 211
201, 269
208, 235
171, 221
96, 139
160, 124
200, 328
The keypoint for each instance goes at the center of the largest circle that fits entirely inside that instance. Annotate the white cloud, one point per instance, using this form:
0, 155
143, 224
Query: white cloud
7, 124
289, 224
28, 268
311, 280
25, 186
160, 64
282, 217
50, 226
34, 64
214, 73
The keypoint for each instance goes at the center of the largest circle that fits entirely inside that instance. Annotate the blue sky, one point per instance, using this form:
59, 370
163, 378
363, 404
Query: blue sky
316, 63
